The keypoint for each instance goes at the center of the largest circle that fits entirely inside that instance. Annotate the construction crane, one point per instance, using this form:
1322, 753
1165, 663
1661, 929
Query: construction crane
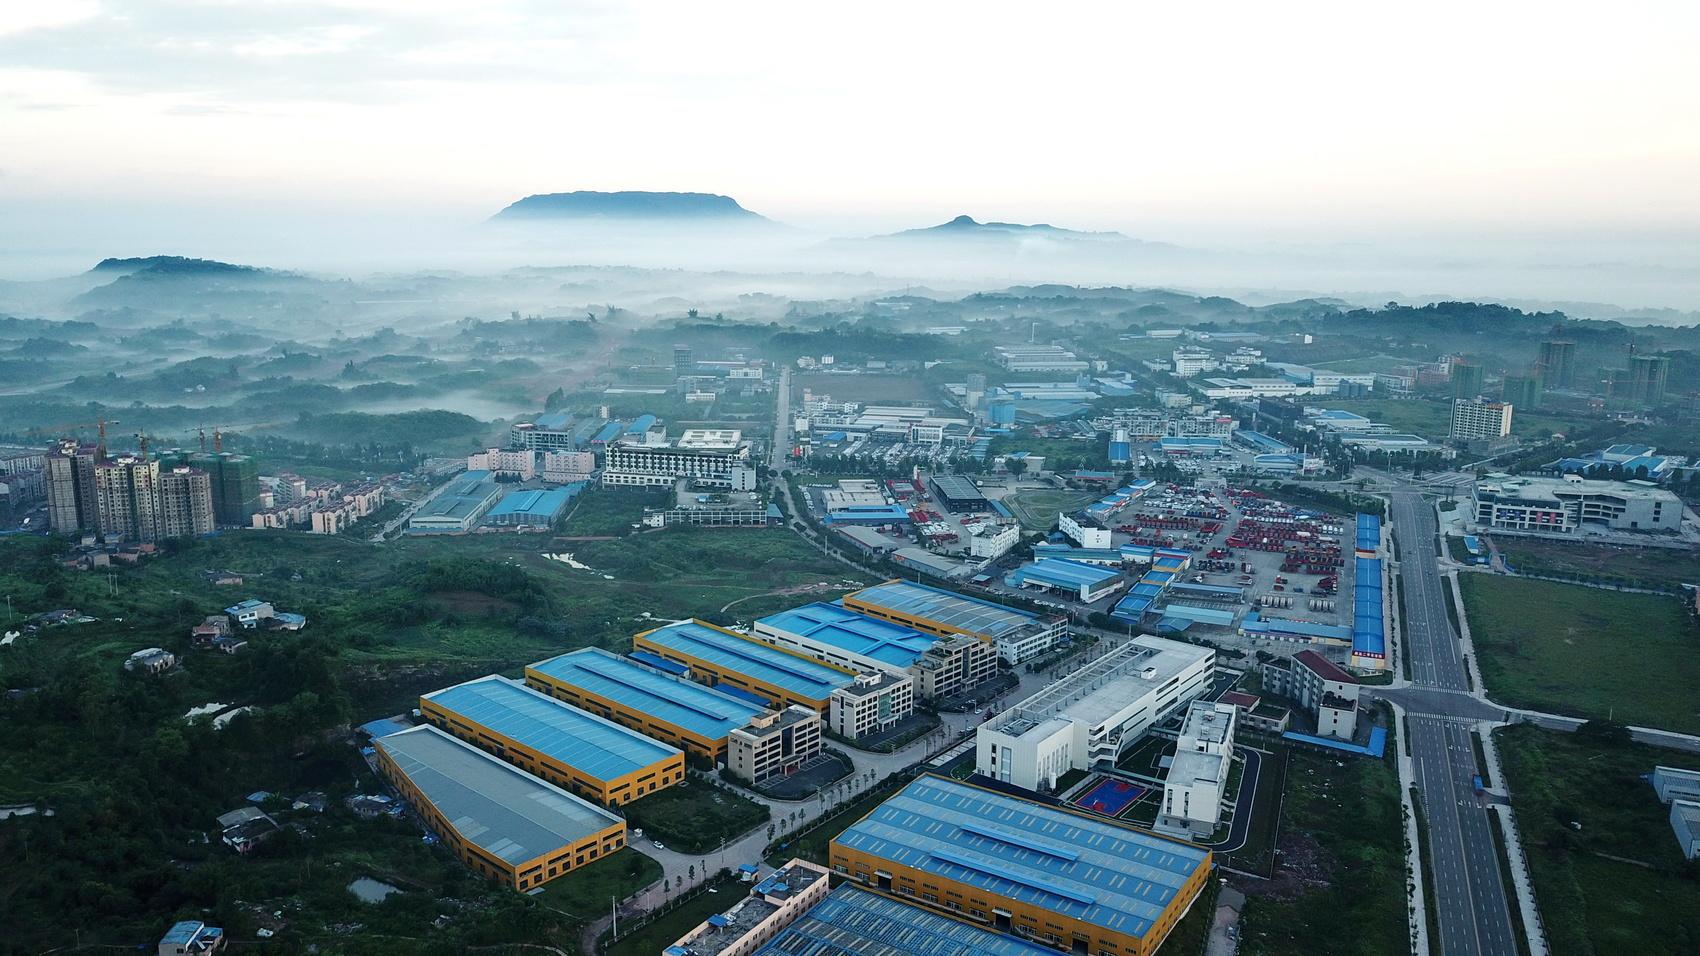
99, 424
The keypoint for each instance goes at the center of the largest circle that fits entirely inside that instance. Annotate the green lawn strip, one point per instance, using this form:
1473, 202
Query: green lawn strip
1351, 808
694, 817
1661, 568
679, 918
1591, 904
1586, 652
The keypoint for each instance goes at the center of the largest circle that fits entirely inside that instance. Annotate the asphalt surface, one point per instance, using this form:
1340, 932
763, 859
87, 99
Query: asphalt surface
1470, 901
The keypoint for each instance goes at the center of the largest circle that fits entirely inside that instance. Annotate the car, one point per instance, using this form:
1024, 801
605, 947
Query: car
657, 844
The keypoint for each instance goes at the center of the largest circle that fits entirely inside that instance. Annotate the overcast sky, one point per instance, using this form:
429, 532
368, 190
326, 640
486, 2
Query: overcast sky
1167, 121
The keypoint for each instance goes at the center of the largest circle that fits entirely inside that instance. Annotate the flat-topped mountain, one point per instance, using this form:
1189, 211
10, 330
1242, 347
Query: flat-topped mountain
629, 206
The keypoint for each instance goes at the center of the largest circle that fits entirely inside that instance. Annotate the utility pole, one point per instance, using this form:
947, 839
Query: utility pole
614, 911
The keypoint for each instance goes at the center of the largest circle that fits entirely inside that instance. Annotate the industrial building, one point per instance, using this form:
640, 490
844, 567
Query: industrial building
665, 706
1476, 420
1321, 686
958, 494
1090, 717
191, 937
990, 541
940, 665
557, 431
1083, 531
1019, 635
854, 922
504, 823
592, 756
713, 458
1079, 883
775, 903
731, 661
1565, 505
1038, 358
531, 508
1676, 783
1632, 461
1086, 583
1198, 774
457, 508
773, 744
1685, 823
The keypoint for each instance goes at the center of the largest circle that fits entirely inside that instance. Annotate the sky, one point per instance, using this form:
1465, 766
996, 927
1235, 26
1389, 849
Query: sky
1227, 122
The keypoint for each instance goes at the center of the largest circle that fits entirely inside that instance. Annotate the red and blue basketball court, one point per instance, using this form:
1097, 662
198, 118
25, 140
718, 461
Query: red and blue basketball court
1111, 797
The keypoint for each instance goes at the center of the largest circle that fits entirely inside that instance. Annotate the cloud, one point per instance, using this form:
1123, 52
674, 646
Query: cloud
23, 16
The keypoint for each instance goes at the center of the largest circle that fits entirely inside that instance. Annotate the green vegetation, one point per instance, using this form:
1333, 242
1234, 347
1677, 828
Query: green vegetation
434, 429
695, 817
1343, 834
1433, 418
134, 786
874, 389
1584, 651
1037, 508
1625, 566
684, 916
1616, 884
815, 842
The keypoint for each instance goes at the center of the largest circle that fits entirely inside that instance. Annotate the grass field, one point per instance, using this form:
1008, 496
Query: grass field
868, 389
1433, 419
584, 893
1614, 564
1037, 508
1587, 652
1592, 905
1342, 837
694, 817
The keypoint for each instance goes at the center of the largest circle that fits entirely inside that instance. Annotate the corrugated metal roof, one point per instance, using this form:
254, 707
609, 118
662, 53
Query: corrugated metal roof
751, 658
686, 704
942, 607
1092, 870
1059, 572
596, 746
855, 633
507, 812
855, 922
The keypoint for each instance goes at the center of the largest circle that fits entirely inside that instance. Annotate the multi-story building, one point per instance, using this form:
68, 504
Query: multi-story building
666, 706
235, 485
874, 703
1466, 380
185, 502
993, 540
1476, 420
1018, 635
726, 659
1090, 717
774, 744
592, 756
1039, 358
1321, 686
555, 431
565, 467
1198, 774
693, 456
779, 900
940, 665
1076, 882
504, 823
1649, 375
73, 504
1522, 391
503, 463
1189, 361
1083, 531
127, 489
1557, 363
1563, 505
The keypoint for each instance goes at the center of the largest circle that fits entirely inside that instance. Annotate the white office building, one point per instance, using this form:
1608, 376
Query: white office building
712, 457
993, 541
1083, 533
1091, 717
1565, 505
1198, 774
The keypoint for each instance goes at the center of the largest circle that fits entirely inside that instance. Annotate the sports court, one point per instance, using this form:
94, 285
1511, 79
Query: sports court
1111, 797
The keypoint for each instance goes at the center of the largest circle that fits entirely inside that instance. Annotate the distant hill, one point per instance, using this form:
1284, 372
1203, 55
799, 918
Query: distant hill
629, 206
967, 227
173, 266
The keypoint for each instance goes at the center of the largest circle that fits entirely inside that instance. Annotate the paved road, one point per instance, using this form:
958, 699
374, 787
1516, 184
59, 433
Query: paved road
1469, 895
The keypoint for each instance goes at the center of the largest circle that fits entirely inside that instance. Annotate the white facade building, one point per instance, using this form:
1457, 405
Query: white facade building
706, 458
1476, 420
875, 702
1092, 716
1564, 505
1193, 790
993, 541
1081, 533
521, 464
1188, 361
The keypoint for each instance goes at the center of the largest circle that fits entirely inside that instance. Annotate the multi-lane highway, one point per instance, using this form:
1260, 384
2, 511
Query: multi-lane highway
1469, 895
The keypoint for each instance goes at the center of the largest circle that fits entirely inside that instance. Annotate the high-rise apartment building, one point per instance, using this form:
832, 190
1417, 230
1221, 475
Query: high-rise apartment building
128, 494
1466, 380
1557, 362
72, 503
235, 485
1475, 420
1522, 391
1648, 375
684, 361
185, 502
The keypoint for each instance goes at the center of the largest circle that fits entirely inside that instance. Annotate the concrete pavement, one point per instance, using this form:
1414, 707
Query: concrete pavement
1471, 908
